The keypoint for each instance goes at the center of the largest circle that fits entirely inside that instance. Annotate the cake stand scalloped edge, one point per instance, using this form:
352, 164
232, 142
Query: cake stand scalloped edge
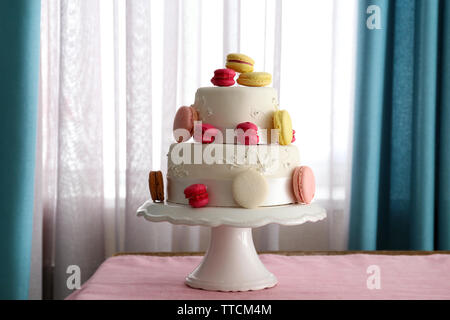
234, 217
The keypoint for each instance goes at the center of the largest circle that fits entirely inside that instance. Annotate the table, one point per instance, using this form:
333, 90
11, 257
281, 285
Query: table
325, 275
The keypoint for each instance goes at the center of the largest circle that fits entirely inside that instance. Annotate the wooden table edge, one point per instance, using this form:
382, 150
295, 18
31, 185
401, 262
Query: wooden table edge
291, 253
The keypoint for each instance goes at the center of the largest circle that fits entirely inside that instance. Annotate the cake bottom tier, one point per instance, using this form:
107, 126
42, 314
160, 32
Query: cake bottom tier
220, 191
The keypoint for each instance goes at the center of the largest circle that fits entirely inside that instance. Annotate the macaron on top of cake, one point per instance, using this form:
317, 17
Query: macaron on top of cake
240, 62
255, 79
223, 78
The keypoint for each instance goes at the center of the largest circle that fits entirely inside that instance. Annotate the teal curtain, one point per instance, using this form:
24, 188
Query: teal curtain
19, 76
401, 163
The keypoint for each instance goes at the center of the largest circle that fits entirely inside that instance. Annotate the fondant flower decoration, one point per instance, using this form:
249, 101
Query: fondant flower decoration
283, 123
197, 195
247, 133
207, 133
293, 136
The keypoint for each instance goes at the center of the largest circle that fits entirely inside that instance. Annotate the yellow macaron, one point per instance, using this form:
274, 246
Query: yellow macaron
255, 79
282, 121
240, 62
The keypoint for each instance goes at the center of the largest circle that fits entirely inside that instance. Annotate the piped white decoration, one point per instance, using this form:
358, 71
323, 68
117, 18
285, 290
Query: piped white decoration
250, 189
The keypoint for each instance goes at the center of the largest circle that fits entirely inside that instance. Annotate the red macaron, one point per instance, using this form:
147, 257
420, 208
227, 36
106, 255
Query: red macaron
223, 78
248, 135
208, 134
197, 195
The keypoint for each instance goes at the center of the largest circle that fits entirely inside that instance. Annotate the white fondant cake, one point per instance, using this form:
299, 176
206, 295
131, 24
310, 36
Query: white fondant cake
242, 155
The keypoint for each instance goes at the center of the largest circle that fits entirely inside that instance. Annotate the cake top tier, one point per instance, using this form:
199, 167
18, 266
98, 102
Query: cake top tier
244, 115
226, 107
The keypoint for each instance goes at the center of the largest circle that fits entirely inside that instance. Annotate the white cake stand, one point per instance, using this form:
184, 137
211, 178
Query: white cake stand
231, 262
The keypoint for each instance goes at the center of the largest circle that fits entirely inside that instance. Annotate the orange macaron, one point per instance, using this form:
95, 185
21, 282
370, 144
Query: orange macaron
156, 186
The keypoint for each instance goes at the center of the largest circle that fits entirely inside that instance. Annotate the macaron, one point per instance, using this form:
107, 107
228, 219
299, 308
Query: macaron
283, 123
255, 79
240, 62
223, 78
247, 133
156, 186
304, 184
207, 134
250, 189
197, 195
183, 124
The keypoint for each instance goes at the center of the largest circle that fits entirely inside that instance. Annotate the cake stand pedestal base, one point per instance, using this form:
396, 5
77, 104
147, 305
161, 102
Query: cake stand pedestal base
231, 263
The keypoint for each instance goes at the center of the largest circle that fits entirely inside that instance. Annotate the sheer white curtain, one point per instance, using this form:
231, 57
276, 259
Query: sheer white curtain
113, 73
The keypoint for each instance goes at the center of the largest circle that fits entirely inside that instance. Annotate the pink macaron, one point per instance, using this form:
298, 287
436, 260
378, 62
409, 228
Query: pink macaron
183, 124
304, 184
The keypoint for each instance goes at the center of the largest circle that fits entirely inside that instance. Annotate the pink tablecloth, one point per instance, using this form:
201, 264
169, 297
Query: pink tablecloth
300, 277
